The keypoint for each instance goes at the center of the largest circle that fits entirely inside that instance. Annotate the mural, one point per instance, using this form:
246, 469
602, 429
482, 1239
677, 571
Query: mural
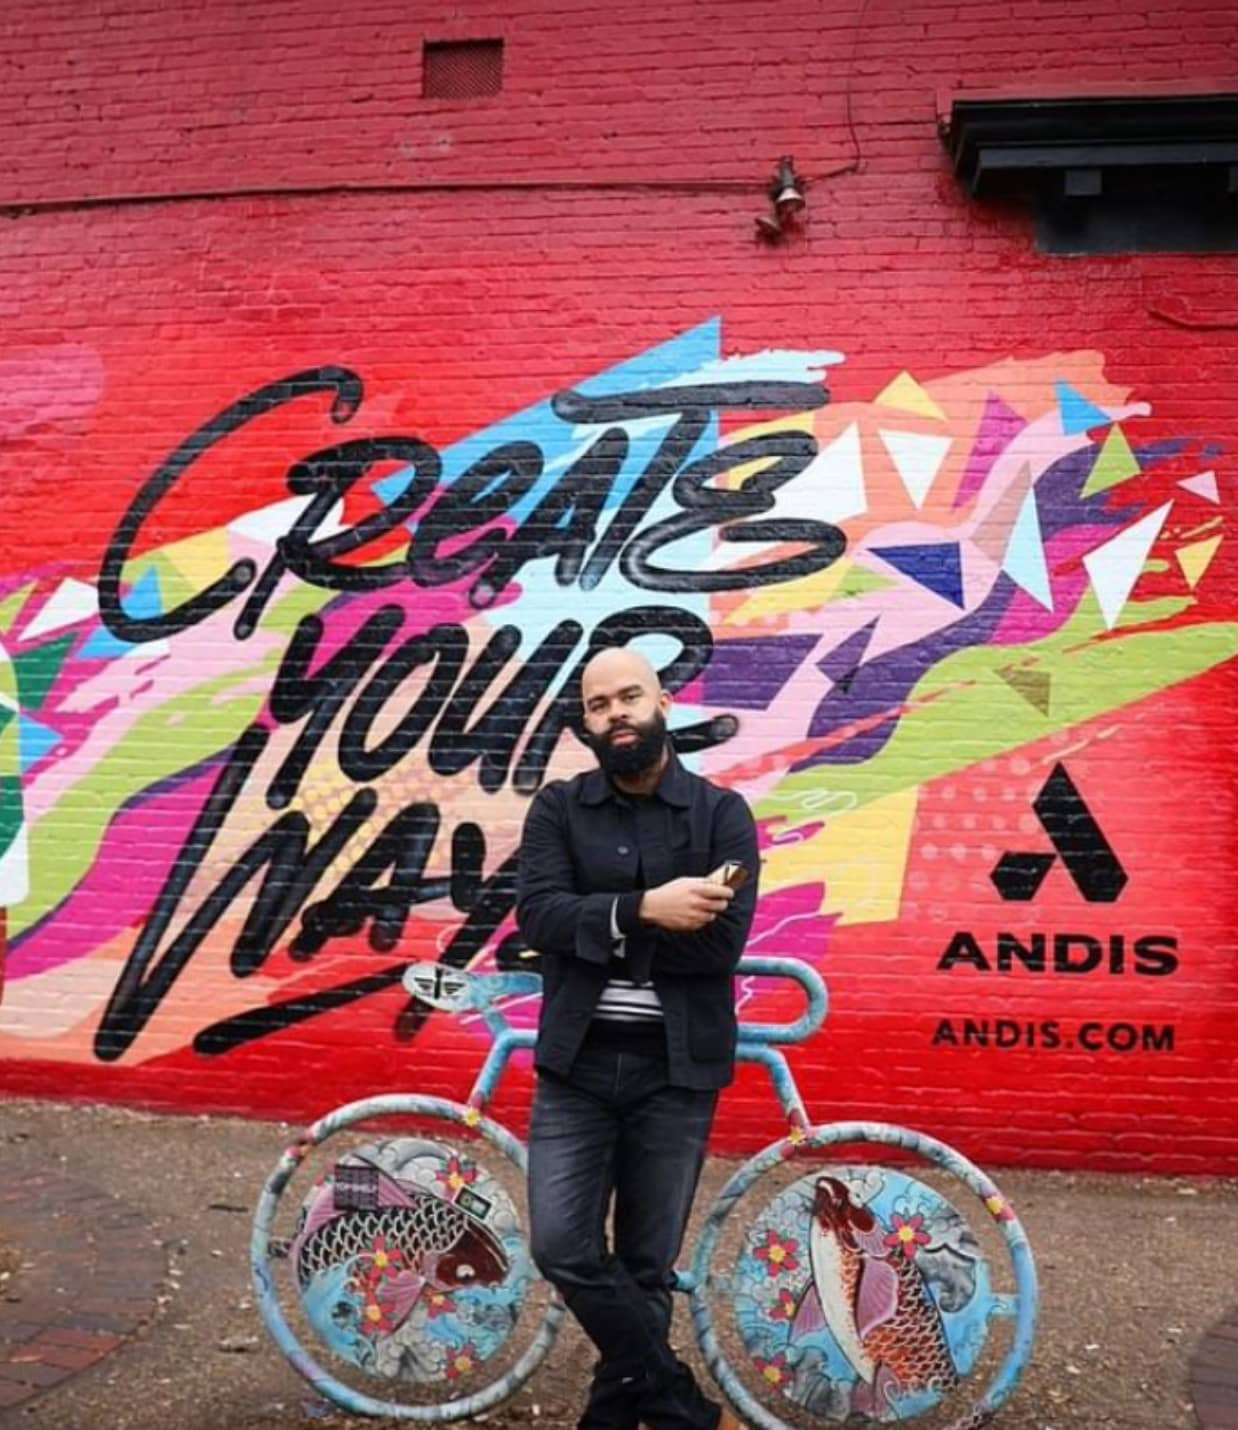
247, 775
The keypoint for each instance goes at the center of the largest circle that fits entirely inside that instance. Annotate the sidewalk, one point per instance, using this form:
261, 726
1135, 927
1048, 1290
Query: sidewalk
132, 1308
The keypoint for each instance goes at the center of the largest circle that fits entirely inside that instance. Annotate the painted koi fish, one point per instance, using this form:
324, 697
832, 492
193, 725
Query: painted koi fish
872, 1298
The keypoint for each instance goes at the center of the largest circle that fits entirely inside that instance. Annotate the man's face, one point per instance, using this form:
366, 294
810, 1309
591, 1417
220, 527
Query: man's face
625, 717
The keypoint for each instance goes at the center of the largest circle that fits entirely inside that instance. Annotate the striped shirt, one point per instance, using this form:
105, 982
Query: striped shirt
622, 1000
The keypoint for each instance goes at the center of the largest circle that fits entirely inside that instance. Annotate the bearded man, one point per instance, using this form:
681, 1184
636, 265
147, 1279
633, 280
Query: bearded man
637, 1031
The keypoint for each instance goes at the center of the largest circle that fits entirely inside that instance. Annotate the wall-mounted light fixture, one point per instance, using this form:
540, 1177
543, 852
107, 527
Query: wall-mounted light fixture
786, 196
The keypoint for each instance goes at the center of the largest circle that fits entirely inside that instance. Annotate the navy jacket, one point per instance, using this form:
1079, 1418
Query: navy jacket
586, 844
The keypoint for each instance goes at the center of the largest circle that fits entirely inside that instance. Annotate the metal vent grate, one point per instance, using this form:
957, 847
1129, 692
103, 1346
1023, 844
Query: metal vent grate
461, 69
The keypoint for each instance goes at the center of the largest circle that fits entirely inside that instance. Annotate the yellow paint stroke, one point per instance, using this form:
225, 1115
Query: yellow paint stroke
861, 857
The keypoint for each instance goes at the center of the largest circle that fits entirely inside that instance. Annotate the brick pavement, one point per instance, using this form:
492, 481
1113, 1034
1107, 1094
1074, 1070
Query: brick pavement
90, 1274
1214, 1376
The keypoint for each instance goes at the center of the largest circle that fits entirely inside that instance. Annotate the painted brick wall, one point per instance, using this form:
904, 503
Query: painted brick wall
1031, 459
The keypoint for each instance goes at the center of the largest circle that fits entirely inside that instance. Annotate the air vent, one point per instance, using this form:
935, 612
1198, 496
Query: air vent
461, 69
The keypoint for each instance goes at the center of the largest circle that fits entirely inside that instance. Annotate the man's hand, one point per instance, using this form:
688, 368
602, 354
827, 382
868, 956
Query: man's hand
684, 905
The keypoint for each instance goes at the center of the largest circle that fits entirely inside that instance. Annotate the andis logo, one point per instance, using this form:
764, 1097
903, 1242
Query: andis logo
1086, 854
1077, 838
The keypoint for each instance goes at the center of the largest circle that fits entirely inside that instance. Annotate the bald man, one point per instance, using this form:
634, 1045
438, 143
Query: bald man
637, 1030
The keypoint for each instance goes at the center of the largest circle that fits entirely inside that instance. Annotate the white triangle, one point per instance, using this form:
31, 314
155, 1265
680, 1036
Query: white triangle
1114, 567
831, 486
730, 553
918, 458
268, 523
1204, 485
71, 602
15, 871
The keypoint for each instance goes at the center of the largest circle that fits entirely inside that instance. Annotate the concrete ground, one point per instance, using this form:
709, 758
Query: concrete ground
151, 1238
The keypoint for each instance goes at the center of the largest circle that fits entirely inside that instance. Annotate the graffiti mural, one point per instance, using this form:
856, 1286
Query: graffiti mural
248, 774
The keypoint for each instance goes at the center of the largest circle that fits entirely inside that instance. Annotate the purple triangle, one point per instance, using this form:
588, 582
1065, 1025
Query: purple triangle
748, 674
999, 426
844, 660
938, 568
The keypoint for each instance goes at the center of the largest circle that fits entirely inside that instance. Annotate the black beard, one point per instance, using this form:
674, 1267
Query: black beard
638, 758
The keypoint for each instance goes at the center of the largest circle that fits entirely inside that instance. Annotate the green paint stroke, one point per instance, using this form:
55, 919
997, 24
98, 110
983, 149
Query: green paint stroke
10, 811
189, 729
970, 713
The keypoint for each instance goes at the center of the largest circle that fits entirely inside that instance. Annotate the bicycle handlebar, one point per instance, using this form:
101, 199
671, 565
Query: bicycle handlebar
456, 990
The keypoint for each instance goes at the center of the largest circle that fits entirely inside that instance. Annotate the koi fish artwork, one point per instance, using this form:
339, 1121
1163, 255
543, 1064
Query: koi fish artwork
867, 1290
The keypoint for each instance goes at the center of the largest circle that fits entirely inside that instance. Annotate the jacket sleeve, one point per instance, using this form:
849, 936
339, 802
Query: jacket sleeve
718, 947
551, 915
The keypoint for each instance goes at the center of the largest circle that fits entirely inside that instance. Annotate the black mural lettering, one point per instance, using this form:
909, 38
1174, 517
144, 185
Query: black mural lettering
483, 494
790, 453
401, 850
493, 737
326, 477
348, 390
447, 646
495, 902
137, 994
589, 410
296, 692
468, 858
675, 449
293, 867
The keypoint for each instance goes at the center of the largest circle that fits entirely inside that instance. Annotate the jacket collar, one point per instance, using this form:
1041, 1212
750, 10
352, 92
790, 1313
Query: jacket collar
672, 788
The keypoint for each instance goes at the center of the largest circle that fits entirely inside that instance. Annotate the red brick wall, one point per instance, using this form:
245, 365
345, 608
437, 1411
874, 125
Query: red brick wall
200, 201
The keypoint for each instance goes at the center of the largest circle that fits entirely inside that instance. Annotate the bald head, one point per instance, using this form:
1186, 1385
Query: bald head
618, 663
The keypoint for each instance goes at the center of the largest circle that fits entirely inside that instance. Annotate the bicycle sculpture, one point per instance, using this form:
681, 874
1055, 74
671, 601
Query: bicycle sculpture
847, 1290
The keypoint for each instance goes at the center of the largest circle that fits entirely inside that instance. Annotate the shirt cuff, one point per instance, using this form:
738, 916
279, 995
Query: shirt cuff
625, 914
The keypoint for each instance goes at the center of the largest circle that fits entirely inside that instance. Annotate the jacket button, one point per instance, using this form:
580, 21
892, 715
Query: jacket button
623, 849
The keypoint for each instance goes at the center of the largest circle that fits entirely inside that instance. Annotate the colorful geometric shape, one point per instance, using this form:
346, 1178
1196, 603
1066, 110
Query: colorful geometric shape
1078, 414
200, 559
906, 394
831, 487
1196, 559
806, 594
748, 674
266, 524
992, 536
10, 607
10, 810
1033, 685
37, 670
141, 602
938, 568
859, 581
1114, 567
14, 848
36, 741
845, 659
918, 458
1024, 560
1115, 464
1204, 485
71, 602
1000, 424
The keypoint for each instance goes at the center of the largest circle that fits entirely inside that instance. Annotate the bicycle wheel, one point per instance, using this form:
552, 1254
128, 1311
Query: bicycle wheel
859, 1289
405, 1261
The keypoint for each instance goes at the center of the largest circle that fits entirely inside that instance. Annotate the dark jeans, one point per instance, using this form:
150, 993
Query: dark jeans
615, 1126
